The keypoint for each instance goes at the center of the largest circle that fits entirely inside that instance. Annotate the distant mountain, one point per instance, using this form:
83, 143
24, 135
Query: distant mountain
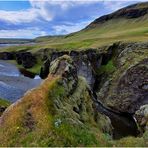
129, 12
128, 24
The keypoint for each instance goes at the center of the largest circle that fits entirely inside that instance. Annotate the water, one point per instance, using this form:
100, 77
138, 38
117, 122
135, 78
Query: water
13, 84
7, 45
123, 123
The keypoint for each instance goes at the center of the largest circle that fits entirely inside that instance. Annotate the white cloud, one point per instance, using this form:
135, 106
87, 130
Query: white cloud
40, 9
22, 33
69, 28
48, 9
18, 16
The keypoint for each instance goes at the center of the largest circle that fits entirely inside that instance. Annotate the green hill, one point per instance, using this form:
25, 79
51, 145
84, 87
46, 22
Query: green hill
129, 24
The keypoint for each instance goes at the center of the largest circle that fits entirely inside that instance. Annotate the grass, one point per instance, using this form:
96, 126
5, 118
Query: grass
33, 120
127, 30
4, 102
108, 68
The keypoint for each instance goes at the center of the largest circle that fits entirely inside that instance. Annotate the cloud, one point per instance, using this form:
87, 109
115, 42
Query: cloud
22, 33
69, 28
44, 9
18, 16
114, 5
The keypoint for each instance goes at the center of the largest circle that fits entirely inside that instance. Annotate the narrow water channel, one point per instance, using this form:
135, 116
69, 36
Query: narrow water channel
123, 123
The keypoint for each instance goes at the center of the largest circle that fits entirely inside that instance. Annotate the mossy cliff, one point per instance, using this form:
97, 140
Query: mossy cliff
60, 112
125, 90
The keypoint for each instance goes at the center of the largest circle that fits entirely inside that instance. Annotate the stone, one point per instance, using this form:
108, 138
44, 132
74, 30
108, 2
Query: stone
141, 116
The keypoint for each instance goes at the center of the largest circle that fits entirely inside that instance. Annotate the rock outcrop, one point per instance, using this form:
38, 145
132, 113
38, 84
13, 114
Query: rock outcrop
87, 62
26, 59
126, 90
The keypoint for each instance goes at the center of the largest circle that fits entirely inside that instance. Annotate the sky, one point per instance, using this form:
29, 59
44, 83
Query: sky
33, 18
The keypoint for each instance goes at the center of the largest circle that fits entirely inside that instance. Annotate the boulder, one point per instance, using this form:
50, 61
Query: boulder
141, 116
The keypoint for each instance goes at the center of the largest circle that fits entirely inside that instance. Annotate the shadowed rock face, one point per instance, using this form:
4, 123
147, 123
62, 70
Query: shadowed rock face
87, 62
26, 59
132, 88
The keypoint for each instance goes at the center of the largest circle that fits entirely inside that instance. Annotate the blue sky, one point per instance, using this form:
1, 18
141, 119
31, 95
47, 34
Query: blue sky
32, 18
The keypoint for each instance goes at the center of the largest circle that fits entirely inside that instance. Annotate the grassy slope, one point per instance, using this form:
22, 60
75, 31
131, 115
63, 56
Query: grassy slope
34, 121
111, 31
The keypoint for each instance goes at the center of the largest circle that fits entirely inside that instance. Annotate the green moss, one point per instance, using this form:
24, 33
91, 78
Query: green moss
4, 103
108, 68
57, 92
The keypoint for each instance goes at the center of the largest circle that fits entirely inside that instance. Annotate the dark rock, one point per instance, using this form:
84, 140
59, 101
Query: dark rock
7, 56
87, 62
26, 59
2, 109
131, 91
45, 69
55, 55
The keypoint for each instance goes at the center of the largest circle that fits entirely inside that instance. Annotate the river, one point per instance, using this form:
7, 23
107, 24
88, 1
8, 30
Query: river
13, 84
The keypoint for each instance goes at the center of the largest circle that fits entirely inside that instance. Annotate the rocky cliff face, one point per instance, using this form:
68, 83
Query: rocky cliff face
87, 62
26, 59
126, 90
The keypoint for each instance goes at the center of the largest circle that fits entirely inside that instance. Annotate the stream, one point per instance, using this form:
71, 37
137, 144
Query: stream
123, 123
13, 83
